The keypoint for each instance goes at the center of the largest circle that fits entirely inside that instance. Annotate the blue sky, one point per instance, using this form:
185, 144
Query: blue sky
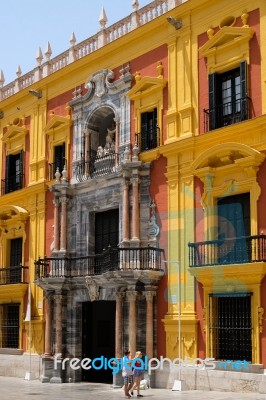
26, 25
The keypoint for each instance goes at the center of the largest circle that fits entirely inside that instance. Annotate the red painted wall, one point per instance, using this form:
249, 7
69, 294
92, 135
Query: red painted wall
254, 70
49, 223
146, 66
262, 230
158, 193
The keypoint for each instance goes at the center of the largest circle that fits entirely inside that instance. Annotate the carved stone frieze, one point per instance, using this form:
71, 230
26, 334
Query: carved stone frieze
93, 288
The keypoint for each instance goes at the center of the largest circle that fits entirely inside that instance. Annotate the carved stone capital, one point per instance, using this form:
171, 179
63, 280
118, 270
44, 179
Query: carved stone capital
132, 295
149, 295
119, 296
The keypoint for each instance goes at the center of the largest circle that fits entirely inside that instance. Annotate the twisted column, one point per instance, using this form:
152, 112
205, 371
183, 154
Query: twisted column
149, 322
132, 326
48, 326
119, 324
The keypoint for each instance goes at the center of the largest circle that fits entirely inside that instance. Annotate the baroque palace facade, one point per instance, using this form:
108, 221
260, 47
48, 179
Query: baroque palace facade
132, 193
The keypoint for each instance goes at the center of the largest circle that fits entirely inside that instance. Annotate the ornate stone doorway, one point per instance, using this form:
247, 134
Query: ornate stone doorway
98, 337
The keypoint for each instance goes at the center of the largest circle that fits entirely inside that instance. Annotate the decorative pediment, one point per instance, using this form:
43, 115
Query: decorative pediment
14, 132
226, 38
58, 122
227, 154
146, 86
12, 218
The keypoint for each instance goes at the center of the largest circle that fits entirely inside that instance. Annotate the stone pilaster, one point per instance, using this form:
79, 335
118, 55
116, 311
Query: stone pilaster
125, 219
58, 327
63, 243
135, 208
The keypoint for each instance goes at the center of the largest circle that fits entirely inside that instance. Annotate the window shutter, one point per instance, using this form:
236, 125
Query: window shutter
243, 90
212, 101
6, 188
144, 131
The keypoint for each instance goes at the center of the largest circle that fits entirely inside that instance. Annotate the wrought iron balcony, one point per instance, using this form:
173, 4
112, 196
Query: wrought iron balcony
149, 139
11, 275
226, 114
12, 183
121, 259
97, 166
240, 250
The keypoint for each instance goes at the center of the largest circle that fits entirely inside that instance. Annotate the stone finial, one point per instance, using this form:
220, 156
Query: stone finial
135, 5
2, 78
210, 33
64, 174
244, 19
137, 76
73, 39
57, 175
135, 152
39, 56
18, 71
48, 52
160, 69
103, 18
127, 154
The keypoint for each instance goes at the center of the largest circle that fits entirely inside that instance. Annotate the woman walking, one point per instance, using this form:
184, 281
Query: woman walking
137, 373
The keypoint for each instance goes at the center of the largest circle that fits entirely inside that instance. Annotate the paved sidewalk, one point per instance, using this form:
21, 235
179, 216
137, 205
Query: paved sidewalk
19, 389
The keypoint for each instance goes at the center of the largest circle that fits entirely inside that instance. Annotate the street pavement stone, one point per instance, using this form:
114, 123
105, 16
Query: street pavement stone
20, 389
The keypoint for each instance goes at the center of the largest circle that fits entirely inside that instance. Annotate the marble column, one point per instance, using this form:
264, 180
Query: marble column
132, 323
63, 235
125, 218
135, 208
149, 322
58, 327
56, 224
119, 324
48, 326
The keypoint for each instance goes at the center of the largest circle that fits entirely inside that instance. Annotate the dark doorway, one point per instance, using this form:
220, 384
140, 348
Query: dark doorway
106, 230
98, 337
230, 326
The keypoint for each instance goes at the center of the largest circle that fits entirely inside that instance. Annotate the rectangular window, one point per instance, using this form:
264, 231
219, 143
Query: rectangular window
59, 160
9, 326
230, 326
234, 229
228, 100
14, 173
15, 261
149, 135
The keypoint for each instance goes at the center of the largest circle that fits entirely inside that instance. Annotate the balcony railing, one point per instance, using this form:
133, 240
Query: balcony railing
226, 114
148, 140
12, 183
240, 250
97, 166
52, 167
11, 275
121, 259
